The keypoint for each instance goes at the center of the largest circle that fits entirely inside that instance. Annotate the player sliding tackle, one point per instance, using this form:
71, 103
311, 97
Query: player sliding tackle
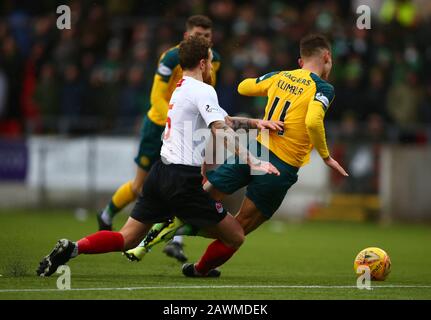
175, 189
168, 74
299, 98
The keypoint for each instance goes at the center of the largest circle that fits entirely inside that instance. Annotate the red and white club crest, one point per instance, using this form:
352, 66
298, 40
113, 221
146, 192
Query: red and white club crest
219, 207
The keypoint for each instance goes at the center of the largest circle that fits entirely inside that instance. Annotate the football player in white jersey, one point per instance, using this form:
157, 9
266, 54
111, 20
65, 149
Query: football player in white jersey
174, 186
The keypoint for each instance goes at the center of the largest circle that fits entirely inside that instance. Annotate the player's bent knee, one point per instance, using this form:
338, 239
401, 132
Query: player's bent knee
138, 182
137, 187
247, 224
131, 238
213, 191
236, 239
130, 241
239, 240
207, 186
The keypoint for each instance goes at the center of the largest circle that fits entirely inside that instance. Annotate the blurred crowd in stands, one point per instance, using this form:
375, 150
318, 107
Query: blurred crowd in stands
96, 77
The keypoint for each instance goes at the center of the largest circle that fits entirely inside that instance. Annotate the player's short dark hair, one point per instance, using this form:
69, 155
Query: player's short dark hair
199, 21
312, 44
192, 50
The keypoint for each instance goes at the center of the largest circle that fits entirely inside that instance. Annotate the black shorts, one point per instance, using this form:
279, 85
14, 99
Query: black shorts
176, 190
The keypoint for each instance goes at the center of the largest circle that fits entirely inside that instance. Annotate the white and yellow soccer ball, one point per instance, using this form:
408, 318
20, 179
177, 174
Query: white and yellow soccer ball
377, 260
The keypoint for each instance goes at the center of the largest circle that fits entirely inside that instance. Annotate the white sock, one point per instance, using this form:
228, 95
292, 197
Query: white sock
196, 272
106, 217
178, 239
75, 250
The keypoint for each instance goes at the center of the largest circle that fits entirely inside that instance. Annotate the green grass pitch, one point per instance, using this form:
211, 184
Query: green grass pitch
310, 260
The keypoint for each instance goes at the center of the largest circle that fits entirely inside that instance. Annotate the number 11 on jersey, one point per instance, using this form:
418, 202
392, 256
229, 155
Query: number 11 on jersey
282, 114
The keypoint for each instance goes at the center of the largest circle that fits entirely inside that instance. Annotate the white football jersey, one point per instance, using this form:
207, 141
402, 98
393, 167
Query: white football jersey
192, 108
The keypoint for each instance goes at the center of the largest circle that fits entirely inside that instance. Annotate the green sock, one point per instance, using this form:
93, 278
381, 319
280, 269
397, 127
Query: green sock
187, 230
111, 209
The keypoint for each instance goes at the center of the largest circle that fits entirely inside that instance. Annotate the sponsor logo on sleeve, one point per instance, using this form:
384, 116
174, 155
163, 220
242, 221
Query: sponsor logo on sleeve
210, 109
164, 70
320, 97
219, 207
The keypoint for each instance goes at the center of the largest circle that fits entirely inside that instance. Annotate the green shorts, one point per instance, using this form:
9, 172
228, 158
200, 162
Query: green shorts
150, 145
266, 191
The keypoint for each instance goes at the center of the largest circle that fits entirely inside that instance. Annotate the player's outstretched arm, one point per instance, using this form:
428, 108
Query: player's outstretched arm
254, 87
330, 162
231, 141
316, 132
246, 123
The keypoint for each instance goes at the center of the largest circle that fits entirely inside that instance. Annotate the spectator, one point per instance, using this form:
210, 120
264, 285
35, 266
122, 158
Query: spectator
425, 106
30, 110
94, 30
402, 105
374, 100
3, 92
110, 73
46, 97
227, 91
66, 51
11, 64
71, 99
373, 73
134, 100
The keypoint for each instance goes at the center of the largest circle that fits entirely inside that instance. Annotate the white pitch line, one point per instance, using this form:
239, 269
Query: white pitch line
217, 287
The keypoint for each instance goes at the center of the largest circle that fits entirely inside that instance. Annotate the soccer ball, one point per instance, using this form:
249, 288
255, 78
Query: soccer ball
377, 260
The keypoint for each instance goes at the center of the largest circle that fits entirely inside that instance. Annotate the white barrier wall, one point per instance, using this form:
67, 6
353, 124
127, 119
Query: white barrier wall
72, 171
100, 163
405, 187
103, 164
